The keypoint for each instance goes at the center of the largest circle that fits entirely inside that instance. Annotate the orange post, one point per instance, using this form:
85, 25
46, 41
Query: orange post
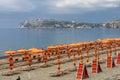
96, 66
110, 62
118, 58
82, 72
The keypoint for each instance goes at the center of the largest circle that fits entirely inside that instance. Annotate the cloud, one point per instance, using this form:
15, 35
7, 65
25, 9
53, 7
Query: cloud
57, 6
84, 5
16, 5
87, 3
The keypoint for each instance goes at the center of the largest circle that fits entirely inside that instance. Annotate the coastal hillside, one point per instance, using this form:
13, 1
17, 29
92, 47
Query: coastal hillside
112, 24
52, 23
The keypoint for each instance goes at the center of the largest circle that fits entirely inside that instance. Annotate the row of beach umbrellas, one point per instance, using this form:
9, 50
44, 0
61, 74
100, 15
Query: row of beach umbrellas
86, 46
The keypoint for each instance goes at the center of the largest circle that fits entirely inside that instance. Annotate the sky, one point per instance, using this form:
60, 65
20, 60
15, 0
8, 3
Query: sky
14, 12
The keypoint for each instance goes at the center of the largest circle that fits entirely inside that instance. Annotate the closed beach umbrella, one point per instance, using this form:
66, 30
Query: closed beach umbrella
11, 61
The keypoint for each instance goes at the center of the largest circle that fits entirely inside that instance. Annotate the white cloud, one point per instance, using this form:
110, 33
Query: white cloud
57, 6
87, 3
16, 5
84, 5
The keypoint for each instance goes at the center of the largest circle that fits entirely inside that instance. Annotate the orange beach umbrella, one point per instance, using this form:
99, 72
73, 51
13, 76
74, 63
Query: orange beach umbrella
11, 61
10, 52
22, 51
32, 49
52, 47
37, 51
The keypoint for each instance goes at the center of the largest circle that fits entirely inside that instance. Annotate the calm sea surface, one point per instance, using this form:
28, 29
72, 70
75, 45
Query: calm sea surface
41, 38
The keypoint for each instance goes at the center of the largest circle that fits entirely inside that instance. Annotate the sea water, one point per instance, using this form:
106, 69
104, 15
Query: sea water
15, 38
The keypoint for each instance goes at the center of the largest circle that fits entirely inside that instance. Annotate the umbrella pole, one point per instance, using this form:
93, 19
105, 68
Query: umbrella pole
29, 60
68, 52
74, 61
58, 68
11, 62
87, 55
58, 59
39, 58
45, 57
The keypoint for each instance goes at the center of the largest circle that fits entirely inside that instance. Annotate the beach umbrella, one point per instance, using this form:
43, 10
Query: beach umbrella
74, 45
11, 61
38, 51
52, 49
10, 52
65, 45
32, 49
24, 52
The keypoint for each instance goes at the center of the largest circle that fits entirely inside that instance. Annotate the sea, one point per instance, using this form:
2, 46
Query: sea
16, 38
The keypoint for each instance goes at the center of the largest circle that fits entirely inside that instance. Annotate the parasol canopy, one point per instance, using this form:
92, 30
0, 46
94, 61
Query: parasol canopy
22, 51
10, 52
37, 51
52, 47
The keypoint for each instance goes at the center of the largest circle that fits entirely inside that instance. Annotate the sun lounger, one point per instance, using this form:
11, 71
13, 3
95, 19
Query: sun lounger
44, 65
27, 68
56, 74
11, 72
